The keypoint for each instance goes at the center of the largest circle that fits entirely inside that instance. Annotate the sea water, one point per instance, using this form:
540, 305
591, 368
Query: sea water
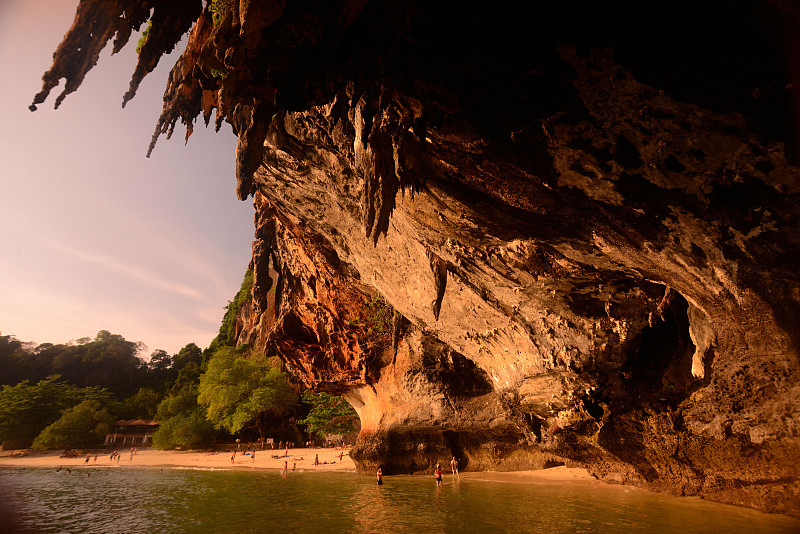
149, 500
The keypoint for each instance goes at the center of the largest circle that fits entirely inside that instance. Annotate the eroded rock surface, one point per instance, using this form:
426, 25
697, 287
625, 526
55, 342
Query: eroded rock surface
521, 238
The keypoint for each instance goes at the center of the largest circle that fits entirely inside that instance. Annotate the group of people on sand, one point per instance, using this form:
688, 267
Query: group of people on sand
437, 473
114, 455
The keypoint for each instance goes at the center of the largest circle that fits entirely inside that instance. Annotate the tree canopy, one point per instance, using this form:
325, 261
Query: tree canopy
241, 389
109, 361
85, 424
142, 405
183, 421
26, 409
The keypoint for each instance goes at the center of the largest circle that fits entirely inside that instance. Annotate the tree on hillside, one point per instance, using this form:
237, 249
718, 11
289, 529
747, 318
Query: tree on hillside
188, 376
160, 361
26, 409
160, 370
110, 361
183, 420
14, 361
243, 389
41, 362
227, 330
142, 405
191, 353
85, 424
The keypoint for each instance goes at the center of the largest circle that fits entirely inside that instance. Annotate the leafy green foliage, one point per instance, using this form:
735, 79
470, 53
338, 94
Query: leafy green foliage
145, 35
85, 424
143, 405
25, 409
239, 389
110, 361
378, 322
17, 364
188, 376
182, 401
218, 8
329, 414
160, 361
188, 354
183, 422
186, 430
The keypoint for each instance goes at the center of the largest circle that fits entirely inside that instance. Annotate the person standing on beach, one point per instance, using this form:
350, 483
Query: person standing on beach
233, 457
438, 474
380, 476
88, 457
454, 467
316, 460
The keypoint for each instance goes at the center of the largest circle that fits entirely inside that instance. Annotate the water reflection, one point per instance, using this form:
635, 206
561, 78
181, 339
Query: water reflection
149, 500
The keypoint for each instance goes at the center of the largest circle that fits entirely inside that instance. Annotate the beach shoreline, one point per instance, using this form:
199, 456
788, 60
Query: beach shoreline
297, 459
331, 460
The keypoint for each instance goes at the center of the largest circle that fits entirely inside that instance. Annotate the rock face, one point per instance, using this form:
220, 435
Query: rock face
523, 239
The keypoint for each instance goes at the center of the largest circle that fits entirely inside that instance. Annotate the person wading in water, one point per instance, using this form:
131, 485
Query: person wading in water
454, 467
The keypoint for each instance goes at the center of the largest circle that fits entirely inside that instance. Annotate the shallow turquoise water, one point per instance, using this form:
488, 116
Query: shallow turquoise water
141, 500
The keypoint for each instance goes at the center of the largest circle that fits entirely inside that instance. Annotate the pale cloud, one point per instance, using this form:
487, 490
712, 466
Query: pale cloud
139, 273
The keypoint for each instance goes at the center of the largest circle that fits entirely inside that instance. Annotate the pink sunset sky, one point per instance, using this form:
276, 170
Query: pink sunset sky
93, 235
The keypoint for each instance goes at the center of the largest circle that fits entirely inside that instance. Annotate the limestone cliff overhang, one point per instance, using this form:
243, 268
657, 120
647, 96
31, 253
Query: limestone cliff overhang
582, 216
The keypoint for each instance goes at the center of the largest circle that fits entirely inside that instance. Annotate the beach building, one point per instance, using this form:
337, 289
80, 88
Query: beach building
132, 432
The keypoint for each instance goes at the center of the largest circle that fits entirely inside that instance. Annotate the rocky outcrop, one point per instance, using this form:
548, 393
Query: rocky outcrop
523, 238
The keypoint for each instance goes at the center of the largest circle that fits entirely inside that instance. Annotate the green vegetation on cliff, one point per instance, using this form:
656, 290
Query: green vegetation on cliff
227, 330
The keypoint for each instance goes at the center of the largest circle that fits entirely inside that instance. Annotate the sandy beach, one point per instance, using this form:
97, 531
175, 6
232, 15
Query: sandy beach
298, 459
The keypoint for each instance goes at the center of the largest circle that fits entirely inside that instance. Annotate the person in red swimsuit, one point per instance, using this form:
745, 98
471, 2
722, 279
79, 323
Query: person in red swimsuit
438, 474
